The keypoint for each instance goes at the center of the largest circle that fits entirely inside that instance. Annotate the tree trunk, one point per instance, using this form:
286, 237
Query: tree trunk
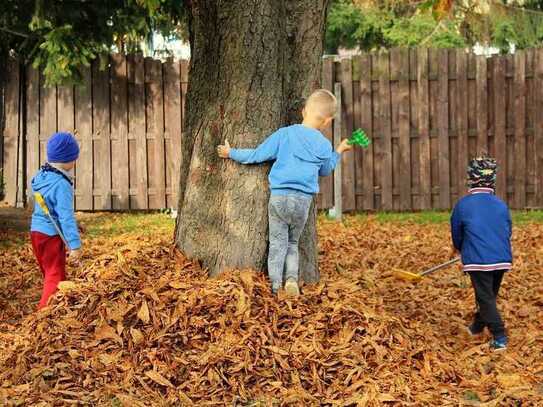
3, 57
252, 64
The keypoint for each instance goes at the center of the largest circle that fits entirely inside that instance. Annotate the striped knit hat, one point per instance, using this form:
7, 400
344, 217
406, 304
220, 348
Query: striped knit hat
482, 172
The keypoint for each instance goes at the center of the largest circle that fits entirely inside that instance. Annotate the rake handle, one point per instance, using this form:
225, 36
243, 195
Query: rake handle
440, 266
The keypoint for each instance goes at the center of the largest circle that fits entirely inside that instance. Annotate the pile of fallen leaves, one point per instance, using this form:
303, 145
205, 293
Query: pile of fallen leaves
141, 325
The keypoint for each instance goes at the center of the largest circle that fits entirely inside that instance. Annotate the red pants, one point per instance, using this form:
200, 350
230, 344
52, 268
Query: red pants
51, 255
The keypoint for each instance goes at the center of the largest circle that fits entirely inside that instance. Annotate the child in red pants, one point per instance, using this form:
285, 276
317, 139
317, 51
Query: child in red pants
55, 182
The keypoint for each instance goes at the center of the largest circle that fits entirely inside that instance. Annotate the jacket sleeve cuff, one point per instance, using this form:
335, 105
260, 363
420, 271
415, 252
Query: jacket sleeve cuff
234, 155
74, 244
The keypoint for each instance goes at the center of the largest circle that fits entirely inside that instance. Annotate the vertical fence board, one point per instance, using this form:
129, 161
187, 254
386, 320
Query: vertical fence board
404, 132
500, 139
338, 177
120, 196
538, 126
510, 126
385, 154
65, 113
65, 116
32, 127
101, 137
424, 130
65, 107
11, 132
520, 134
48, 117
136, 122
395, 72
462, 119
443, 131
155, 134
357, 153
326, 196
172, 122
347, 161
366, 122
529, 126
482, 104
83, 129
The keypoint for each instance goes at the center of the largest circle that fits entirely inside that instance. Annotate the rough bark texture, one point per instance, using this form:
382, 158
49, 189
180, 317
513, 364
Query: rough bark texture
253, 63
3, 57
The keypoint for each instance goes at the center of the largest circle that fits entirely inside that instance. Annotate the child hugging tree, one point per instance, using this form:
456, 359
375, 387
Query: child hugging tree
301, 153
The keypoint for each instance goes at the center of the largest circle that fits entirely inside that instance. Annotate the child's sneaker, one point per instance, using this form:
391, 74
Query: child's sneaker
498, 344
291, 288
474, 330
275, 288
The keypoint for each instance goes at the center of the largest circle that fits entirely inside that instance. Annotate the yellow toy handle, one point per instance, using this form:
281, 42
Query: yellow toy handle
39, 199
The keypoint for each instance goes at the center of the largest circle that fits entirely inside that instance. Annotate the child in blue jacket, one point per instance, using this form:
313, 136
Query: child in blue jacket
55, 182
301, 154
481, 232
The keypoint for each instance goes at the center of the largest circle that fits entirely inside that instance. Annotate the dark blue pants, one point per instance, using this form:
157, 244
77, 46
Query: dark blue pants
487, 286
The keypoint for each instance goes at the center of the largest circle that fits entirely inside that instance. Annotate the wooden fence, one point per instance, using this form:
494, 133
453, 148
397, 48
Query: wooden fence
427, 112
128, 120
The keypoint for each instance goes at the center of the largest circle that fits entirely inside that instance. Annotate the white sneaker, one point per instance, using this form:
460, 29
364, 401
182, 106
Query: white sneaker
291, 288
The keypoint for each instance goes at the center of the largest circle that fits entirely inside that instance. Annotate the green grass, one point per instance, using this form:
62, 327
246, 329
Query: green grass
436, 217
16, 239
532, 216
113, 224
106, 224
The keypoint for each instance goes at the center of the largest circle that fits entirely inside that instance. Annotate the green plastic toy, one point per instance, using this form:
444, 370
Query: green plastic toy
359, 138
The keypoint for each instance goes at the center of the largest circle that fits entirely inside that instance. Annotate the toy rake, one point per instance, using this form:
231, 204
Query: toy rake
359, 138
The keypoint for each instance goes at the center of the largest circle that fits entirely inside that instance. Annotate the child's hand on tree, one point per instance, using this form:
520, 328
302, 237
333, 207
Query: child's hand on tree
344, 146
224, 150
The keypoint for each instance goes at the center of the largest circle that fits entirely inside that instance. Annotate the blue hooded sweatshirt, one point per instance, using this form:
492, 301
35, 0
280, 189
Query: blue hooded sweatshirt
58, 194
481, 231
301, 155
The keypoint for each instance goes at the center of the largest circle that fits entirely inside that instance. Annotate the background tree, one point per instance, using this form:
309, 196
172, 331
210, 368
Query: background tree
252, 64
62, 36
372, 25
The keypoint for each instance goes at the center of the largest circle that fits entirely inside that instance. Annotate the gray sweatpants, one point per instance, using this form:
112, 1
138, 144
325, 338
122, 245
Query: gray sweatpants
287, 217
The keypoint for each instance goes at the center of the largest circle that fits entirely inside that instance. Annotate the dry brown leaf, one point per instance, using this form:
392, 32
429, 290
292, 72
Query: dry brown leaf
508, 381
137, 336
107, 332
179, 285
158, 378
67, 285
108, 359
143, 313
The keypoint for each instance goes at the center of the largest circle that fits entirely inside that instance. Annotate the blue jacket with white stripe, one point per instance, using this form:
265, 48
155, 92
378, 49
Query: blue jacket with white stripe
481, 231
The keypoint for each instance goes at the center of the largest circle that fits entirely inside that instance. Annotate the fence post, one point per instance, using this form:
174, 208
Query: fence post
338, 191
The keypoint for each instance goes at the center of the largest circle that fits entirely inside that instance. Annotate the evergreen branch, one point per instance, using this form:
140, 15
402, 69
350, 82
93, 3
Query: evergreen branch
434, 31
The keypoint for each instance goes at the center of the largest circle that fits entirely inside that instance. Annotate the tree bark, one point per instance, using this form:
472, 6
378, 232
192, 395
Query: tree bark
3, 57
252, 64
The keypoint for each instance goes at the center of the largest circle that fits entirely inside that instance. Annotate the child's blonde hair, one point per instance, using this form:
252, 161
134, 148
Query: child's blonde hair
322, 104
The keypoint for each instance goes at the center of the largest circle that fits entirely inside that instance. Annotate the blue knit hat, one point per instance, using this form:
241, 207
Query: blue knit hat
62, 148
